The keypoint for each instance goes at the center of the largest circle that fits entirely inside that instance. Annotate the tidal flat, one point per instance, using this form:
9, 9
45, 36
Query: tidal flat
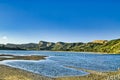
9, 73
15, 72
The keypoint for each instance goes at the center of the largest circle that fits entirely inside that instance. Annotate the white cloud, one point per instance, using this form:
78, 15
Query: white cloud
4, 38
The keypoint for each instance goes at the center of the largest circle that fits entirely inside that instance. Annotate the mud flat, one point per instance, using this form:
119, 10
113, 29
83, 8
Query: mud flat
94, 75
9, 73
12, 57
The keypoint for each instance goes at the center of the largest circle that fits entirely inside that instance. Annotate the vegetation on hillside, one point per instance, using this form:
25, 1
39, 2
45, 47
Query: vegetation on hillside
112, 46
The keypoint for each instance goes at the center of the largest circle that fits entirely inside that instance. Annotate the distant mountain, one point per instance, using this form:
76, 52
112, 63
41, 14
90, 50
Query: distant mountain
29, 46
43, 45
112, 46
105, 46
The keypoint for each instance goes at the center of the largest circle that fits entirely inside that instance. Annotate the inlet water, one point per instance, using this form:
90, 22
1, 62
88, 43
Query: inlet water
58, 63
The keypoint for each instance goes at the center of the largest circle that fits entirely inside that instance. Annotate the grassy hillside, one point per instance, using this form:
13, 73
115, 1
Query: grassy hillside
112, 46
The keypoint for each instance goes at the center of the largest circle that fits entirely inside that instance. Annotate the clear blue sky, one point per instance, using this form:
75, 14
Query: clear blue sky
24, 21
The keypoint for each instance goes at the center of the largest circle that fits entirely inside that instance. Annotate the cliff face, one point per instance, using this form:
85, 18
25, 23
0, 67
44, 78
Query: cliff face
100, 41
43, 45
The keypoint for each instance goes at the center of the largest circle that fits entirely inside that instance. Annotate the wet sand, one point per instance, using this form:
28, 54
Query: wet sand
9, 73
94, 75
12, 57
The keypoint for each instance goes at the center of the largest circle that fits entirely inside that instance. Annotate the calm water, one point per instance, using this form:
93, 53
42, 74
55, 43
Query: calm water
56, 64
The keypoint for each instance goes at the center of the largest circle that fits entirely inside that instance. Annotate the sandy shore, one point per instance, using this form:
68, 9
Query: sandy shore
12, 57
94, 75
9, 73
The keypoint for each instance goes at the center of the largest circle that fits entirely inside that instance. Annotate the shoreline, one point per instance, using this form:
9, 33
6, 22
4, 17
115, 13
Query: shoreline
68, 51
15, 57
10, 73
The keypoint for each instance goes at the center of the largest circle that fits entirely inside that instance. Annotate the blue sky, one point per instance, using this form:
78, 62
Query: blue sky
24, 21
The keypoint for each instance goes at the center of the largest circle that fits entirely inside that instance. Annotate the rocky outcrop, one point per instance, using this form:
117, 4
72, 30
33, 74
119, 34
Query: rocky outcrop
43, 45
100, 41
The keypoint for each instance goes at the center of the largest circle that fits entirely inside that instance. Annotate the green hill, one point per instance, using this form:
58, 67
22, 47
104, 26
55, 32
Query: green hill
104, 46
112, 46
